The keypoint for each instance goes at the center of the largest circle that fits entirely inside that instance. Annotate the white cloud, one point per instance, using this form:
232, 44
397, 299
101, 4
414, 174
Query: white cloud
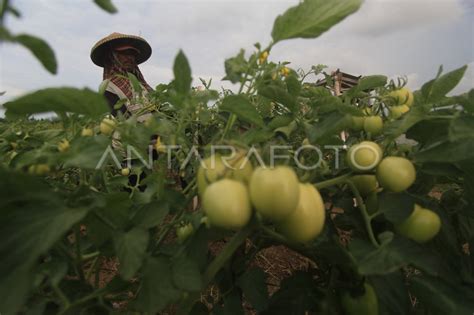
382, 17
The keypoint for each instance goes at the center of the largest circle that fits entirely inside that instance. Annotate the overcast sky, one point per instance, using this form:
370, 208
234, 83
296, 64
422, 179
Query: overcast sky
391, 37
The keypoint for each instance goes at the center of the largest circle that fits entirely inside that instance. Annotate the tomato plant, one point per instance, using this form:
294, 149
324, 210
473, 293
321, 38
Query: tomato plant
281, 225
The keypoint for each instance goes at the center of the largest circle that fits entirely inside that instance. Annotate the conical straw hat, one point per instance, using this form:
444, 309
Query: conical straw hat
103, 46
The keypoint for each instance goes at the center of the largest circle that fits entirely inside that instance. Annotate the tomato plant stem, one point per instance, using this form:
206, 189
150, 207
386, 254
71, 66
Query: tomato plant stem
334, 181
363, 211
217, 264
77, 236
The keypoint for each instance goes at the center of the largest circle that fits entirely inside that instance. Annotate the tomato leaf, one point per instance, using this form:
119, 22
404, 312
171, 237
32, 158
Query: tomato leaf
461, 128
63, 100
235, 67
130, 248
186, 274
106, 5
449, 299
327, 127
279, 95
157, 290
448, 152
280, 121
182, 74
87, 152
396, 206
437, 88
40, 49
398, 127
253, 285
297, 294
240, 106
392, 294
311, 18
151, 214
29, 227
393, 256
367, 83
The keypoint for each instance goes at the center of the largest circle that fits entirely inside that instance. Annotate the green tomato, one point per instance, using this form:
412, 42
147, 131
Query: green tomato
398, 111
274, 192
402, 96
306, 222
39, 169
184, 231
125, 171
358, 122
226, 204
373, 125
63, 145
217, 167
421, 226
107, 126
364, 156
365, 183
365, 304
87, 132
396, 173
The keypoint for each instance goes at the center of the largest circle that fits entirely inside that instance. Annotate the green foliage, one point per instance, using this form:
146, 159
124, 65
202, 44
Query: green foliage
106, 5
61, 100
311, 18
65, 218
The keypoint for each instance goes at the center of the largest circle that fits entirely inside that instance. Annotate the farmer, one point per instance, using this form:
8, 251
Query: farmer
120, 54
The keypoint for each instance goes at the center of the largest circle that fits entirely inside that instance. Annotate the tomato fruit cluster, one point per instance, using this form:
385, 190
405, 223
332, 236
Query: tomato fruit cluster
229, 195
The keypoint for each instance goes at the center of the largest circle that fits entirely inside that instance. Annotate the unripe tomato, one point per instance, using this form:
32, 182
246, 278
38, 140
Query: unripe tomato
358, 122
373, 124
125, 171
396, 173
306, 222
274, 192
398, 111
87, 132
364, 156
365, 304
215, 168
227, 204
107, 126
421, 226
184, 231
63, 146
402, 96
365, 183
39, 169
